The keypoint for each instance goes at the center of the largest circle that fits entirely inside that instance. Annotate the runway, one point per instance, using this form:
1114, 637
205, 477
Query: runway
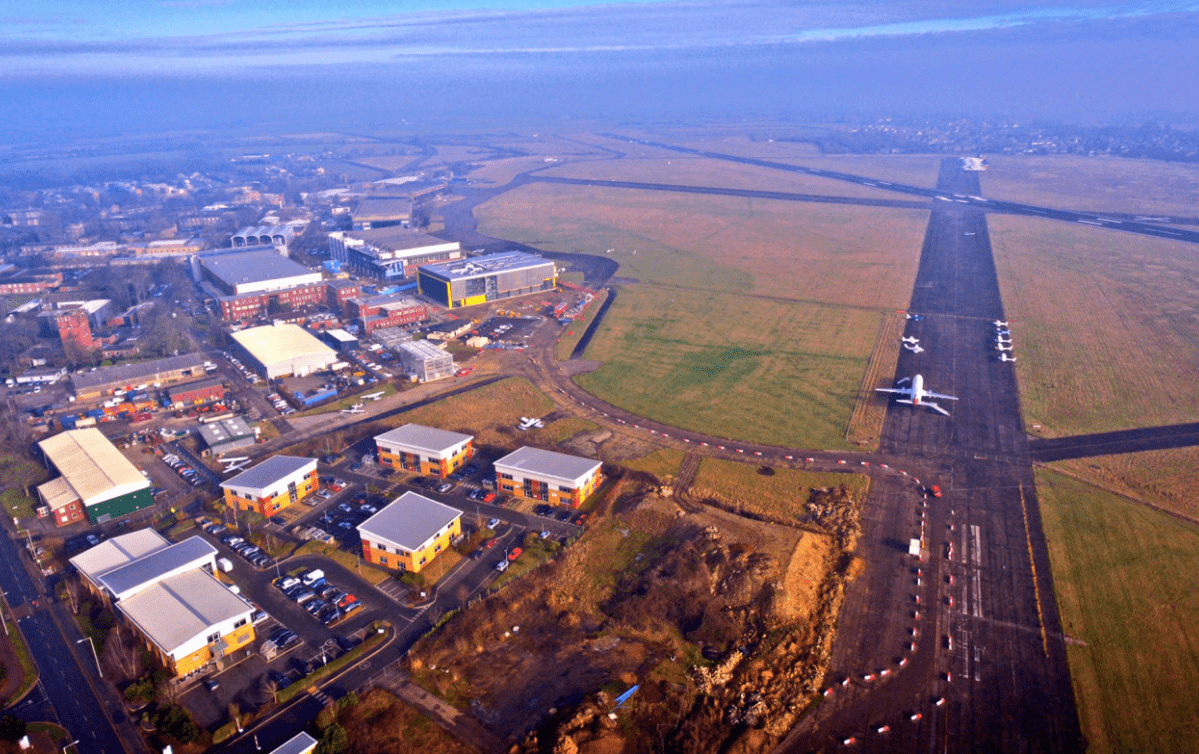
956, 194
982, 616
1121, 441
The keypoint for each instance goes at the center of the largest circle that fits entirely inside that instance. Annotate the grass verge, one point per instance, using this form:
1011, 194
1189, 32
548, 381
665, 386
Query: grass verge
29, 672
663, 464
369, 573
777, 495
1126, 584
869, 413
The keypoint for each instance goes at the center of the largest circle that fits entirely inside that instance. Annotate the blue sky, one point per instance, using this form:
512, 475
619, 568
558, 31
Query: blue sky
183, 63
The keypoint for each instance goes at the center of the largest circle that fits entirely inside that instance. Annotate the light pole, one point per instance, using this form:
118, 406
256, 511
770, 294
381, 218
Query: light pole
92, 644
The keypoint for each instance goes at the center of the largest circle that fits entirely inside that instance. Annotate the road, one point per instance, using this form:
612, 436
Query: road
61, 696
1121, 441
1005, 681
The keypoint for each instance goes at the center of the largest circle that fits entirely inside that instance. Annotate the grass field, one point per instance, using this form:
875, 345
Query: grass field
779, 496
1106, 325
483, 412
1166, 478
661, 463
1127, 585
1111, 184
750, 320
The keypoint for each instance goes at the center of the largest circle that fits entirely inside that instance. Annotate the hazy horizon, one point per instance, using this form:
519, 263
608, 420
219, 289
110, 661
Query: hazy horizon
97, 70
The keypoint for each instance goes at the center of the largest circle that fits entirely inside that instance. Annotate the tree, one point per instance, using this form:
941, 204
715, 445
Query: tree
333, 741
12, 728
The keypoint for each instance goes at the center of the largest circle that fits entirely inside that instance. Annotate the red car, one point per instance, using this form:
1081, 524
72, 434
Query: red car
465, 371
516, 551
490, 543
935, 491
489, 497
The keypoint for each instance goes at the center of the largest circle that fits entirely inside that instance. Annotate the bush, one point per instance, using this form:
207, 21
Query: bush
175, 722
141, 690
11, 728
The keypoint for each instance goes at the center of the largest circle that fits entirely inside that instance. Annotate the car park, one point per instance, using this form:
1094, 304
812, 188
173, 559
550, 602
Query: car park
345, 525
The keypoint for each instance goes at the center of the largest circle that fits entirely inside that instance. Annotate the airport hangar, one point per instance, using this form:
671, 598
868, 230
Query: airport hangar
487, 278
283, 349
96, 480
389, 253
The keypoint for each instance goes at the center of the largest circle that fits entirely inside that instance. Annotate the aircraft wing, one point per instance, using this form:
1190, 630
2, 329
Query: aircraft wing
931, 394
896, 390
936, 408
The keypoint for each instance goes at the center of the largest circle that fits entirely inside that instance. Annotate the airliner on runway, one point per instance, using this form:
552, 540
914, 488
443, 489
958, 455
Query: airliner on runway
917, 395
913, 347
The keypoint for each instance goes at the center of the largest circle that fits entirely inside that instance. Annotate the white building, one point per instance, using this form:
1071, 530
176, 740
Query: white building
283, 349
425, 360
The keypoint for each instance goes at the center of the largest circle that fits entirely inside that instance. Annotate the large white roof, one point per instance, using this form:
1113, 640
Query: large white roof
178, 610
428, 439
92, 465
271, 344
409, 521
113, 553
546, 463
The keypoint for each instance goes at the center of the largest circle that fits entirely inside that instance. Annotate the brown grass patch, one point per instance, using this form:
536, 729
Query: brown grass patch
489, 413
1106, 325
1166, 478
869, 413
807, 569
778, 497
663, 464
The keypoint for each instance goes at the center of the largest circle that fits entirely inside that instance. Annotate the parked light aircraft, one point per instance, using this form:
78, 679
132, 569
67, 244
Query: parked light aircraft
1002, 347
1000, 323
1005, 357
235, 464
914, 348
916, 394
909, 339
373, 396
530, 423
1002, 340
355, 409
1003, 333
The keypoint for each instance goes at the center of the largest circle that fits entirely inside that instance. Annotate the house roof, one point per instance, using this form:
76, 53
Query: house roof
269, 472
92, 465
547, 463
179, 609
409, 521
57, 493
428, 439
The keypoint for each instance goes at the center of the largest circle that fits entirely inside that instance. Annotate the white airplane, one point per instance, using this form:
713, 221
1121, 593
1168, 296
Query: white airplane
907, 339
1003, 333
373, 396
1005, 357
237, 466
914, 348
355, 409
917, 395
1002, 339
239, 459
1000, 323
1002, 347
527, 423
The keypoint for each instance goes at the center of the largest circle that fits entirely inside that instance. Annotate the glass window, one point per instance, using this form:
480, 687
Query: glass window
214, 638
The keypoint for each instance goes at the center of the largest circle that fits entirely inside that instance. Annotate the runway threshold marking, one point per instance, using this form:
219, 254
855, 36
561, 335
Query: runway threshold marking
1036, 582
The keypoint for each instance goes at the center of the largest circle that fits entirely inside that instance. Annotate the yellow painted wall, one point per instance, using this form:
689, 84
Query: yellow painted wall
412, 562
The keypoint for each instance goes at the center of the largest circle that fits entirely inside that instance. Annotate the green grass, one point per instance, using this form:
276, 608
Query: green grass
765, 370
661, 463
1127, 584
29, 674
779, 497
387, 388
564, 429
16, 504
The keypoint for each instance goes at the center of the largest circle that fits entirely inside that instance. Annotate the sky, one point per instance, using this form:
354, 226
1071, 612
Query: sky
109, 65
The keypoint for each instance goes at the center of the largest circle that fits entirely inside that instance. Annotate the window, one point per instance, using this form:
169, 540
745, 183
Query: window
240, 623
214, 638
437, 548
422, 561
563, 489
382, 560
505, 476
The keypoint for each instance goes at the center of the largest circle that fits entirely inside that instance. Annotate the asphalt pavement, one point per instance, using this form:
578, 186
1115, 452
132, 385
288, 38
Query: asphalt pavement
1120, 441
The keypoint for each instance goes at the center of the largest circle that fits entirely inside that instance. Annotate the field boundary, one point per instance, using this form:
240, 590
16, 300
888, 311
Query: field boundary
1102, 485
865, 427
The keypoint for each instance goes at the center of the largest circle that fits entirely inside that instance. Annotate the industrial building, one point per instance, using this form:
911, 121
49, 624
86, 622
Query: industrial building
545, 475
424, 450
257, 271
227, 435
425, 360
284, 349
97, 481
158, 372
391, 337
271, 486
339, 339
488, 278
266, 235
393, 310
72, 322
389, 253
167, 594
195, 393
409, 532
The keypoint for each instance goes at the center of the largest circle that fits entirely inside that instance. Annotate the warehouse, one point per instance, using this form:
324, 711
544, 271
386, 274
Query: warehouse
196, 393
259, 271
271, 486
104, 380
97, 481
166, 592
339, 339
389, 253
424, 450
284, 349
487, 278
408, 533
425, 360
545, 475
227, 435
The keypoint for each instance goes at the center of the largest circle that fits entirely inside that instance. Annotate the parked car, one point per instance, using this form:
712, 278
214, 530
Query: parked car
514, 553
345, 644
493, 523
